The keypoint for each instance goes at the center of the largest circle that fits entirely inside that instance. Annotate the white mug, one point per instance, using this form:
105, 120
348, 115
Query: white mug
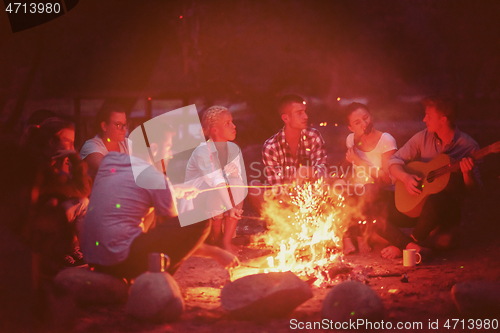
410, 258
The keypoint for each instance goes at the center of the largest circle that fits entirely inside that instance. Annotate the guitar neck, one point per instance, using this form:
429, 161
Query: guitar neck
477, 155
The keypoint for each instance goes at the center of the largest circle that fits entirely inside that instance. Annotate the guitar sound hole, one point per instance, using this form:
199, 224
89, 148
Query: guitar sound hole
431, 176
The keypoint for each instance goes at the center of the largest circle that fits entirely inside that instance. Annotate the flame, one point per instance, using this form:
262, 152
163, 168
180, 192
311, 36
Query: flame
305, 232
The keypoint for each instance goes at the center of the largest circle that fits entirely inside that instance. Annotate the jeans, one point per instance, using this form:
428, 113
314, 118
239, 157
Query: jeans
441, 209
166, 237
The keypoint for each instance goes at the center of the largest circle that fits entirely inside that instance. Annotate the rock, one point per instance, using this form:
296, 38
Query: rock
264, 296
155, 297
91, 287
352, 300
477, 298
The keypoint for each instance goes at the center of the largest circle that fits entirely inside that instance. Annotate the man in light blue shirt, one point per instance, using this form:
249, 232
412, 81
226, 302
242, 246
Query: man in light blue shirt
442, 209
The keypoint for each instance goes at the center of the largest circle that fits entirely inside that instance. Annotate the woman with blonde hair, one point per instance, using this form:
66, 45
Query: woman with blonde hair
218, 164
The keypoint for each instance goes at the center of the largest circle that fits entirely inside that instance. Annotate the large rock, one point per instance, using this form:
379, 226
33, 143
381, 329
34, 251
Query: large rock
264, 296
155, 297
91, 287
477, 298
352, 300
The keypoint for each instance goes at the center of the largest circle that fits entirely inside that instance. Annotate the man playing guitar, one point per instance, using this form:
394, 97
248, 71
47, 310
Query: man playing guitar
440, 209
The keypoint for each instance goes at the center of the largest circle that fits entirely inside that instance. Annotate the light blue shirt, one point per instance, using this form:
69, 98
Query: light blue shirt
424, 146
116, 209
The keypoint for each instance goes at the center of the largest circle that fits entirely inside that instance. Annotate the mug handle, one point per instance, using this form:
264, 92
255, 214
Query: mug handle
167, 262
419, 258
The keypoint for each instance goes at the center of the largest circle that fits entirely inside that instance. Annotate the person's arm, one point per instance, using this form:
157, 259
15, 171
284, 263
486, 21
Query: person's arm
224, 257
273, 170
467, 167
409, 152
185, 191
212, 175
411, 181
318, 157
376, 173
93, 161
383, 173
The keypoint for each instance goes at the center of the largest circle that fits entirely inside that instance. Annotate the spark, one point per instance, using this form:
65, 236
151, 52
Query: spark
307, 239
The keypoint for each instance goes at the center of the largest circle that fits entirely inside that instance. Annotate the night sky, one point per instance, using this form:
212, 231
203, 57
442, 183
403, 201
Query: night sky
254, 51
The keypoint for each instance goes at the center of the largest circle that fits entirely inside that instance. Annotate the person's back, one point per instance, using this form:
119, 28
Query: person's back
117, 207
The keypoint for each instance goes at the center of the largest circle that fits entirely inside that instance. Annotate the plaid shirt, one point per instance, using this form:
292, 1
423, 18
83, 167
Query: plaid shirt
279, 164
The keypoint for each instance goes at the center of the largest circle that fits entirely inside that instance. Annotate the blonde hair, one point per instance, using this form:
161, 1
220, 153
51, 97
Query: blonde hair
210, 118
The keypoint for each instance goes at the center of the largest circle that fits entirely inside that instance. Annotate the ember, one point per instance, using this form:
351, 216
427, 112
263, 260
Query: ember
305, 231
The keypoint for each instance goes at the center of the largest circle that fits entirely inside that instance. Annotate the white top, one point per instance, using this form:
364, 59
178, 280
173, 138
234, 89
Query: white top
374, 157
204, 165
116, 209
96, 145
204, 171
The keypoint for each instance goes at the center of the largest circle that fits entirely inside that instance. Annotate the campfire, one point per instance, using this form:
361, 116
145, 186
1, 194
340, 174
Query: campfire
304, 235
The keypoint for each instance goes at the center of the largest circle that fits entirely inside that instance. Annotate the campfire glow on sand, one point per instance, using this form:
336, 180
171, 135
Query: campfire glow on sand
305, 233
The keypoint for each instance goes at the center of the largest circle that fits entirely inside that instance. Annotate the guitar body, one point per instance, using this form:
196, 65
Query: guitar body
411, 205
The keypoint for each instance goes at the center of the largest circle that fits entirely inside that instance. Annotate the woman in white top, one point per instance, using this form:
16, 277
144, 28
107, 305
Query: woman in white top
111, 127
369, 150
218, 164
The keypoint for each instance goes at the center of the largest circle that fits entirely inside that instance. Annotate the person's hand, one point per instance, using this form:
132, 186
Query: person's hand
226, 259
235, 213
351, 156
412, 184
185, 191
231, 169
466, 164
62, 154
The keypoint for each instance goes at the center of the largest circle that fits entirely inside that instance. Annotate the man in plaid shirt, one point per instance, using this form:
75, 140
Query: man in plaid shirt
295, 152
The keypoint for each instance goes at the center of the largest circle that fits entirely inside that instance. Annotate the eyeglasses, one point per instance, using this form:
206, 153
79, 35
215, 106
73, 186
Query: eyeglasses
120, 126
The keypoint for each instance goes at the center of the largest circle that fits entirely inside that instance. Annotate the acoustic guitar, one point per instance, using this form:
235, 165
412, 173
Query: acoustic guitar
435, 177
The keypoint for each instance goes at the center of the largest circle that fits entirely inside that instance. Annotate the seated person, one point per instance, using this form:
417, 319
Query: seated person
65, 182
296, 151
368, 150
294, 154
21, 244
216, 164
113, 240
440, 210
111, 128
